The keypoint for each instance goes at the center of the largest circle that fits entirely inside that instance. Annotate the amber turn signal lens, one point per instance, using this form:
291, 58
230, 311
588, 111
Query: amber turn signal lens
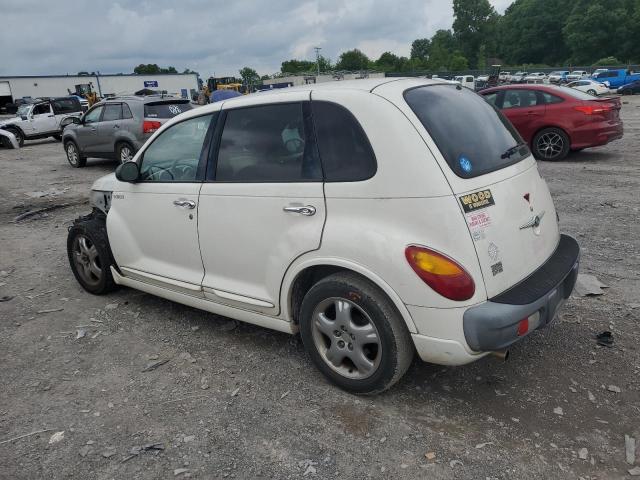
441, 273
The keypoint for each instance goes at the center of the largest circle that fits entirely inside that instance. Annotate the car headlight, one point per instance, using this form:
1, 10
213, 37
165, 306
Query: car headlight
100, 199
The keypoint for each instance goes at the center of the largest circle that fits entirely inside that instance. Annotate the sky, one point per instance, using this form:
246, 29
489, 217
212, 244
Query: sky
212, 37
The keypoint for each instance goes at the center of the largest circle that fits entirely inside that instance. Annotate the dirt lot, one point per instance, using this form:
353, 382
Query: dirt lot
238, 401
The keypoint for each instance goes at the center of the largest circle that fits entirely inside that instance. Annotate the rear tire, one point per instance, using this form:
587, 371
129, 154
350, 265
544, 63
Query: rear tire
592, 92
89, 254
124, 152
551, 144
354, 334
18, 134
74, 157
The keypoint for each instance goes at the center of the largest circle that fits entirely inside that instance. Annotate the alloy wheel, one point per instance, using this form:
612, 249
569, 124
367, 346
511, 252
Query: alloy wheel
87, 260
72, 154
550, 145
125, 154
346, 338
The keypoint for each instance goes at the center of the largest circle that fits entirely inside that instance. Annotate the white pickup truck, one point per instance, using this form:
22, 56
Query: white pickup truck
42, 118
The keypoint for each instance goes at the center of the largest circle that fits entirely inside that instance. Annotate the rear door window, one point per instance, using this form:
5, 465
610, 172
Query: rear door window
166, 109
519, 99
345, 151
126, 111
112, 111
473, 136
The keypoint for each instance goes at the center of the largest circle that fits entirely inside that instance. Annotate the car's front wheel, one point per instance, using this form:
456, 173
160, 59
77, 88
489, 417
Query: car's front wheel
354, 334
89, 254
18, 134
592, 92
551, 144
74, 157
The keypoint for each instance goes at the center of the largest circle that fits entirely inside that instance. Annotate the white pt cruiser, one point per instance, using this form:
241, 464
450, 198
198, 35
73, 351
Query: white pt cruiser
376, 217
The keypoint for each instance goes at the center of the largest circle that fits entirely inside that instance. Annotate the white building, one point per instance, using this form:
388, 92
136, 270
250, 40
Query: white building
12, 88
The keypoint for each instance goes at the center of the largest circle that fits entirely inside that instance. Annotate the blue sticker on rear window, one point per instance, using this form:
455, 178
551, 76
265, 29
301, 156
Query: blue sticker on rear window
465, 164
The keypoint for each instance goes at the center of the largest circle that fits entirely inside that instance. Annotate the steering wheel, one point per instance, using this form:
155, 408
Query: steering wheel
184, 170
161, 171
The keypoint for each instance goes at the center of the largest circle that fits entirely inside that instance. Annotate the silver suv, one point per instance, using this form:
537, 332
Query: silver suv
117, 127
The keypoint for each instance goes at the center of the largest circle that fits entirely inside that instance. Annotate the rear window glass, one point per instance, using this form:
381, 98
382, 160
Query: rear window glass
472, 135
165, 109
572, 92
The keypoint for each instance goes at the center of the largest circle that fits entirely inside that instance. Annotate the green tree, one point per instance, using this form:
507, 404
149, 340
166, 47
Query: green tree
598, 28
530, 31
249, 76
352, 60
297, 66
442, 47
152, 68
458, 62
325, 64
474, 24
420, 49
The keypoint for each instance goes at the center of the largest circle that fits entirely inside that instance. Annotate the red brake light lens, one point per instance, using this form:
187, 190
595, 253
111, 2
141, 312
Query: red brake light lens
441, 273
150, 126
593, 109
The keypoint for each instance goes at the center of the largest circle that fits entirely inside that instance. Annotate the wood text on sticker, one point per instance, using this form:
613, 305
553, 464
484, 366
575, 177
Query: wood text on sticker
476, 200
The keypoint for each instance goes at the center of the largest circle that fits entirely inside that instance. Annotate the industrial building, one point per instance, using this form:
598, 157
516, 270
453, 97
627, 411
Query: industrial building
12, 88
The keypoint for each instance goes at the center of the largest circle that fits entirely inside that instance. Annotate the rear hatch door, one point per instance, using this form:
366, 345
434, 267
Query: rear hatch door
506, 204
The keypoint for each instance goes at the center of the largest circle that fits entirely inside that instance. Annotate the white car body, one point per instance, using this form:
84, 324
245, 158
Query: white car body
536, 77
589, 86
577, 75
243, 255
36, 120
505, 76
558, 76
466, 81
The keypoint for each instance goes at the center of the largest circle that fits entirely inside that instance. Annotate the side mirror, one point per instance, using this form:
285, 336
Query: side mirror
68, 121
128, 172
24, 117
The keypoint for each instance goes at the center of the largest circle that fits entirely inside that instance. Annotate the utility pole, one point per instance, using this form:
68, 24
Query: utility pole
317, 49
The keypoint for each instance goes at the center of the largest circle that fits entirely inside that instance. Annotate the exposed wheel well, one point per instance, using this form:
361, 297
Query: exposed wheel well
308, 278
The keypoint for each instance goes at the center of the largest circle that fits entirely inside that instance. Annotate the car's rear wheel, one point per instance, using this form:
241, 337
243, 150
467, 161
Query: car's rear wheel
551, 144
18, 134
124, 152
354, 334
592, 92
90, 256
74, 157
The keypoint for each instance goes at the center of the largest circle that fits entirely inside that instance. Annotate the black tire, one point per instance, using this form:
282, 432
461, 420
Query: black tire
18, 134
57, 137
389, 358
121, 150
89, 254
592, 92
74, 156
551, 144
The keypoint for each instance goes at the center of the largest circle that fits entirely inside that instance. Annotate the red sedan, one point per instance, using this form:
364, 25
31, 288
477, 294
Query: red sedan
554, 120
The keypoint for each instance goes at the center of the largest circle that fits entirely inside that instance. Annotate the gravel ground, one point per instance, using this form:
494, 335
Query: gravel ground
238, 401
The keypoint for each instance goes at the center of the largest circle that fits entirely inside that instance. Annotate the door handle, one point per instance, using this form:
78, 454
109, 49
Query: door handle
50, 116
190, 204
116, 126
93, 129
307, 210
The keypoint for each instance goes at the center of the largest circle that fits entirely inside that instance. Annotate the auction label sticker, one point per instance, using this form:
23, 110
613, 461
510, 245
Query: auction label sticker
476, 200
478, 221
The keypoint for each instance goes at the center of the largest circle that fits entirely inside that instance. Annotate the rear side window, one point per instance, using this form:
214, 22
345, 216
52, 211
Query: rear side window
66, 105
112, 111
165, 109
126, 111
472, 135
345, 151
267, 143
519, 99
550, 99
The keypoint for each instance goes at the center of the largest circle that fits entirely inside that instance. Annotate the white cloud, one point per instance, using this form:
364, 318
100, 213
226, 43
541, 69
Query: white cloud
217, 36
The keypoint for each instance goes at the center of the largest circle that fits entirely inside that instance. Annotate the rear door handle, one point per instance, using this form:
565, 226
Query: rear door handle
190, 204
307, 210
116, 126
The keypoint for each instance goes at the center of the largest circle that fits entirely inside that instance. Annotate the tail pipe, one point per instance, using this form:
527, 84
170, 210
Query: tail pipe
501, 355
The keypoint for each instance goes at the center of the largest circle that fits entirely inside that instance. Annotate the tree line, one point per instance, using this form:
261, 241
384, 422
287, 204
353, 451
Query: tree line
533, 32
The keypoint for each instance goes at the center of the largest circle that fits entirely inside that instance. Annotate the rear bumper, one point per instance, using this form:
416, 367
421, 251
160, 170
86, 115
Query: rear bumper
494, 324
596, 135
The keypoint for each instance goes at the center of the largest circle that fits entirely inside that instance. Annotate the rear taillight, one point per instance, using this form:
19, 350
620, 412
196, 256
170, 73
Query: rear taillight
441, 273
593, 109
150, 126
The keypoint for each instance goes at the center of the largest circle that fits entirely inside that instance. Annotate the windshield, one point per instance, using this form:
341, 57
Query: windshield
23, 110
472, 135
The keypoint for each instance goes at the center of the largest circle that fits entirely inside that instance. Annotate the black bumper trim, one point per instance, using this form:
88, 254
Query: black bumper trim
493, 325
